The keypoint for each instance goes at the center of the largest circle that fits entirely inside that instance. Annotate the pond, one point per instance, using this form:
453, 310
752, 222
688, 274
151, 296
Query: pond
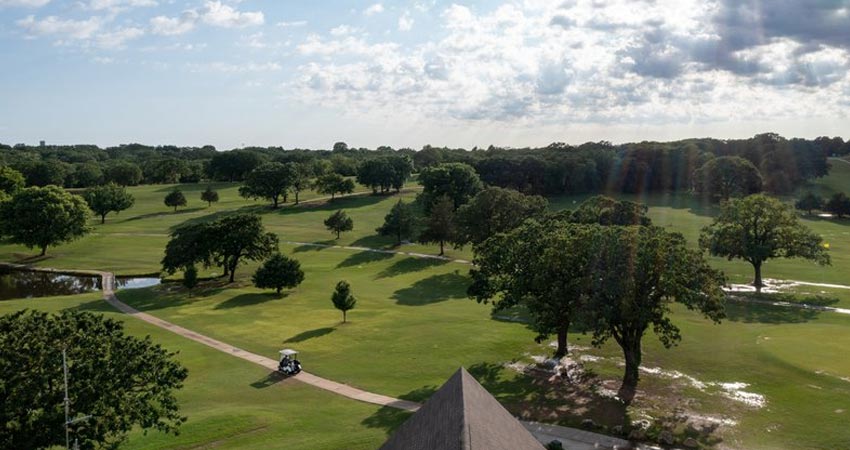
15, 283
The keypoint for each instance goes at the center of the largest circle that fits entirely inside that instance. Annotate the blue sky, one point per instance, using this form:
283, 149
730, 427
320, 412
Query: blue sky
513, 73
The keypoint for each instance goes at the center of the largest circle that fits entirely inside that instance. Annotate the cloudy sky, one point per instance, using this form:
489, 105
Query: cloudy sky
513, 73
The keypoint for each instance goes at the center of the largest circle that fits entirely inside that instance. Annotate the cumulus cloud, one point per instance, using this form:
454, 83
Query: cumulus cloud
214, 13
224, 67
629, 61
23, 3
118, 5
52, 25
376, 8
405, 22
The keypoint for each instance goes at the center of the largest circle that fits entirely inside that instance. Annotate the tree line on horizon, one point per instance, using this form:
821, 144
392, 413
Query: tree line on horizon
783, 164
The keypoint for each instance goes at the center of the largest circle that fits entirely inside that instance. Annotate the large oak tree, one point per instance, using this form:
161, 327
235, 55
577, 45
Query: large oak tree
44, 216
759, 228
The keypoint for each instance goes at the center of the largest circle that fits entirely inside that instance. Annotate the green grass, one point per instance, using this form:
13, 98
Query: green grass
232, 403
413, 327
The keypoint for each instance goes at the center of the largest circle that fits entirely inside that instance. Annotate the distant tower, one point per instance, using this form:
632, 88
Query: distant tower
41, 143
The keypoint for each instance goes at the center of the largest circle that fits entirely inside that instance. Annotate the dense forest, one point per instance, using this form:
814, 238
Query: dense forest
783, 164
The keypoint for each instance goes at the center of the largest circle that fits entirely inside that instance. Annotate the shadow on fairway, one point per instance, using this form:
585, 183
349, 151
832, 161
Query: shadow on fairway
271, 379
256, 209
409, 264
97, 306
249, 300
350, 202
765, 313
318, 332
376, 241
434, 289
388, 419
363, 257
169, 212
314, 248
149, 299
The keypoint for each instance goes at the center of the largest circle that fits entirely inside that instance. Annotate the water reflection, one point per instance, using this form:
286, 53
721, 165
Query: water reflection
16, 283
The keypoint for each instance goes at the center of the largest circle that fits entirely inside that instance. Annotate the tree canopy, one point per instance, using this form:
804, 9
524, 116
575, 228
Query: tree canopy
44, 216
809, 203
122, 381
343, 299
635, 273
339, 222
174, 199
400, 222
209, 195
11, 181
225, 242
726, 177
458, 181
495, 210
604, 210
334, 183
108, 198
385, 173
758, 228
278, 272
439, 227
839, 205
270, 181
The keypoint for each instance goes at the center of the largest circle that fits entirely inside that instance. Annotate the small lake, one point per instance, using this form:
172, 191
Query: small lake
17, 284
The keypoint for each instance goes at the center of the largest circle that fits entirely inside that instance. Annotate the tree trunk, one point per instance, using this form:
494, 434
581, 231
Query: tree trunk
296, 197
278, 291
441, 247
274, 199
43, 250
398, 236
175, 208
562, 342
343, 317
632, 355
337, 234
233, 270
102, 219
757, 282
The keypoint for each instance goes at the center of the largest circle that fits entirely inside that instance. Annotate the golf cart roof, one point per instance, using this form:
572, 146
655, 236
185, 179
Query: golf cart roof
288, 352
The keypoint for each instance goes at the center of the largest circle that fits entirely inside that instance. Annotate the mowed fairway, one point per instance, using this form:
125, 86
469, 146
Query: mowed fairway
413, 326
232, 403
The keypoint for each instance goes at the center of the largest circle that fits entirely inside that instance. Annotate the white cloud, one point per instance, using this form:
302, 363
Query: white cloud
543, 62
119, 5
52, 25
377, 8
343, 30
23, 3
172, 26
119, 37
224, 67
405, 22
220, 15
296, 23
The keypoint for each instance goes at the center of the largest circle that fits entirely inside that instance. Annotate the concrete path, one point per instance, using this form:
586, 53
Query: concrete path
271, 364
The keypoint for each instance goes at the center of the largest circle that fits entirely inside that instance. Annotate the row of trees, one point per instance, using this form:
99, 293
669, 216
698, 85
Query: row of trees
556, 169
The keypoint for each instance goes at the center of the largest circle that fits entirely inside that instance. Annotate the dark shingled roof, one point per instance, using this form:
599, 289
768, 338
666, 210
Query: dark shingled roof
462, 415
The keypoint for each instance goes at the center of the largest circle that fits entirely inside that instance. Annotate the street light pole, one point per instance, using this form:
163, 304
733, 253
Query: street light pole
67, 400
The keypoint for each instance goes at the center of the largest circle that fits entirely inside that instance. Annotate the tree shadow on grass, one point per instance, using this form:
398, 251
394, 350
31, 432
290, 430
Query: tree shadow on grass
389, 419
376, 241
363, 257
318, 332
434, 289
756, 308
150, 299
320, 245
271, 379
95, 306
164, 212
410, 264
345, 202
249, 300
219, 215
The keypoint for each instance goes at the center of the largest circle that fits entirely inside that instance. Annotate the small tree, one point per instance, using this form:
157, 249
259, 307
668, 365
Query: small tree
440, 224
108, 198
41, 217
809, 202
343, 299
278, 272
301, 178
758, 228
175, 198
400, 222
210, 196
339, 222
839, 205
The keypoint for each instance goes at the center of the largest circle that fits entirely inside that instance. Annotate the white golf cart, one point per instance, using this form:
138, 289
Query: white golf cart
289, 364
